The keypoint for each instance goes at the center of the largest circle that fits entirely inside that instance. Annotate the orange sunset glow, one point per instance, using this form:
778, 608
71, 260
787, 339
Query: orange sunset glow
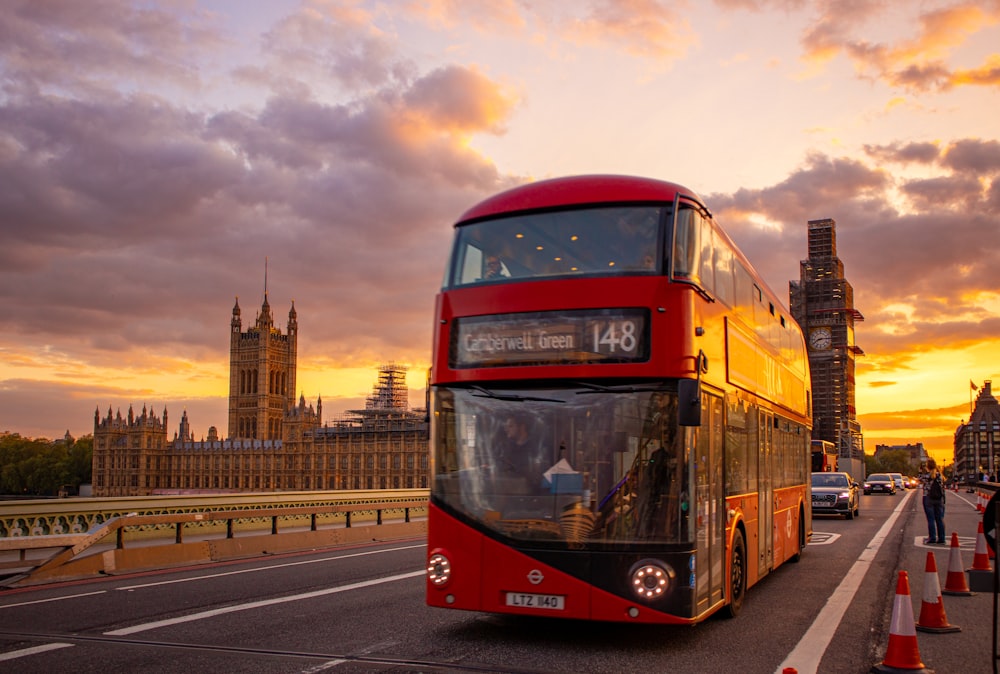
153, 155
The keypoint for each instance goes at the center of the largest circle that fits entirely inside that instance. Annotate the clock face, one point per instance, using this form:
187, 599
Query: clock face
820, 338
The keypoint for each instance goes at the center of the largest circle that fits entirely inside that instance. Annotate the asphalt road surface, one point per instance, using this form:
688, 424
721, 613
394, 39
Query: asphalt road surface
361, 609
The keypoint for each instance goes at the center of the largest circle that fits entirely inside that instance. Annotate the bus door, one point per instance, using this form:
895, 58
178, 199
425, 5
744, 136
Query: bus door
709, 505
765, 494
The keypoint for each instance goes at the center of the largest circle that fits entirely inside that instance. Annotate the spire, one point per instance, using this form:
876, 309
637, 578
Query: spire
265, 282
264, 321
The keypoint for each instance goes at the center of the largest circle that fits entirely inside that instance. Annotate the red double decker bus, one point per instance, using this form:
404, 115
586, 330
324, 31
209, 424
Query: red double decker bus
620, 422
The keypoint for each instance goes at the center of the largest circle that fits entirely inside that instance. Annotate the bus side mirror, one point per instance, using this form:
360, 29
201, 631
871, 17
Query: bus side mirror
688, 402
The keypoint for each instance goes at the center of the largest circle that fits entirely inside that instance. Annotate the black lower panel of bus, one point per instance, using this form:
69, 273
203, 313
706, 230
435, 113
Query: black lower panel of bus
612, 571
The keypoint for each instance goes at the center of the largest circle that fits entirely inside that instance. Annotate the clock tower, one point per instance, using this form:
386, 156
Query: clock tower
822, 301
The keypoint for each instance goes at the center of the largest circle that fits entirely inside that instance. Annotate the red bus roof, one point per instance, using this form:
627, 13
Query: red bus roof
573, 190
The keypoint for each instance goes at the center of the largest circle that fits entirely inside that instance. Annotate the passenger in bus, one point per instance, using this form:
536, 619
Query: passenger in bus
494, 268
516, 452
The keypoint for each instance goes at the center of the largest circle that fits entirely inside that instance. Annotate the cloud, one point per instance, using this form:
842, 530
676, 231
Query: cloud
324, 40
932, 267
131, 220
648, 29
917, 63
78, 48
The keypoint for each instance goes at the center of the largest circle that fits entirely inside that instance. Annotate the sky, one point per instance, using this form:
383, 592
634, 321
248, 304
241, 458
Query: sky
155, 156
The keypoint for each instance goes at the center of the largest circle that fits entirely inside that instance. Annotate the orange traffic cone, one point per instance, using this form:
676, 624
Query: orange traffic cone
902, 653
955, 582
932, 617
981, 560
980, 508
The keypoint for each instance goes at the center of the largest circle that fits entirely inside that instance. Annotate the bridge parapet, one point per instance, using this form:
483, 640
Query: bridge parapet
46, 517
157, 540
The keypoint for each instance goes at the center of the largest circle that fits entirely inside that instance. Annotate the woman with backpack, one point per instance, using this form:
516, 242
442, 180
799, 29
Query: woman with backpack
933, 489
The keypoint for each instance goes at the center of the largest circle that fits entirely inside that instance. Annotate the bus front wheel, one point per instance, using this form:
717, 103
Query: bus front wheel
737, 577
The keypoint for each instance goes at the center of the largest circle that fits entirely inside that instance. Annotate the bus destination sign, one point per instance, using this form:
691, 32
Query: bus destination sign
551, 337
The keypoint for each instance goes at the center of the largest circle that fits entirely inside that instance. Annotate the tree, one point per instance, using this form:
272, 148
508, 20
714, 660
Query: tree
39, 467
892, 461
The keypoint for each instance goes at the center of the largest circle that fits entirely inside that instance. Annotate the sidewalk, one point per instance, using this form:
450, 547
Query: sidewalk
972, 648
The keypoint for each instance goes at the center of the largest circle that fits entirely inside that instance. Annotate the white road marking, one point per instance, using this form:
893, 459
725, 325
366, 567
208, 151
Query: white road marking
823, 538
260, 604
809, 651
265, 568
34, 650
42, 601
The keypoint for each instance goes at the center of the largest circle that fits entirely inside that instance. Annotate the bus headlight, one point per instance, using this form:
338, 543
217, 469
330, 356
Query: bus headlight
651, 579
438, 570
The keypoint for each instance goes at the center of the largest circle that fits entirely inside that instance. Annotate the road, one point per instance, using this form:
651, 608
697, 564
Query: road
361, 609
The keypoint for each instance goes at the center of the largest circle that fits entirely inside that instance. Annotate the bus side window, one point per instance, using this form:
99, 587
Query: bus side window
724, 274
686, 244
706, 254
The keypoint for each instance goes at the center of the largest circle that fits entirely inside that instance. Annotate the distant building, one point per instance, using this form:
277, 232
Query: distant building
822, 301
916, 452
262, 367
977, 443
275, 444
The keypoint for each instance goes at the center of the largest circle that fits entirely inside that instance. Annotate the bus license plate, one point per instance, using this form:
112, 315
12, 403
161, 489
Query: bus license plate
523, 600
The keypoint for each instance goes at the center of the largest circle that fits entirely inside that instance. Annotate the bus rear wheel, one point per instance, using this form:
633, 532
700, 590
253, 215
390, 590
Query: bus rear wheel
737, 577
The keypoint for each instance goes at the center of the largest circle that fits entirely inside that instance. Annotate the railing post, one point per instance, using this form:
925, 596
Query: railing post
120, 538
274, 525
179, 536
348, 518
378, 518
407, 516
229, 528
312, 523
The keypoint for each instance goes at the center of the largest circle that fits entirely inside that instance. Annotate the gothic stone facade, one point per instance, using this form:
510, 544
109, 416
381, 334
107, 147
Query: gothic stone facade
274, 444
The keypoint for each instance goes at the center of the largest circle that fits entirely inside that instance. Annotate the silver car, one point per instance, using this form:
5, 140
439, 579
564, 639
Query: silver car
835, 494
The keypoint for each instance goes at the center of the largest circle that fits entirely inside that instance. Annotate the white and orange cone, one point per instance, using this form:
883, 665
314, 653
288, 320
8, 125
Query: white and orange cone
955, 583
902, 652
932, 617
981, 560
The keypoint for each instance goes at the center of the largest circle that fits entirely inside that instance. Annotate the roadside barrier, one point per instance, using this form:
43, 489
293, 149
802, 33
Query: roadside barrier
902, 653
932, 616
955, 582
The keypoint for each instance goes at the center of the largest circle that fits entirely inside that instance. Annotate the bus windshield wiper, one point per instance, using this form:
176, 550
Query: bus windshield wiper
512, 397
626, 388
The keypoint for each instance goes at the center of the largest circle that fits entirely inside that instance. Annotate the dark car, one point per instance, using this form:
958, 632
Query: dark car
880, 483
835, 494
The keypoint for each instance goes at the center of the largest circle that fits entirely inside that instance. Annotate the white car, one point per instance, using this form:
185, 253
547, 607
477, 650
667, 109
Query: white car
898, 479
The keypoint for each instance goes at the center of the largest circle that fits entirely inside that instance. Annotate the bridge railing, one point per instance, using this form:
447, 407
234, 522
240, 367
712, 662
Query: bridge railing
158, 539
47, 517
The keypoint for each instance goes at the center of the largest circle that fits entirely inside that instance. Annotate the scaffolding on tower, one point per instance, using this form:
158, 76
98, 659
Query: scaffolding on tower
389, 392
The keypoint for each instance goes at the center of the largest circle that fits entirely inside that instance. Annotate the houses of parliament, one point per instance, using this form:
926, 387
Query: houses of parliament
274, 442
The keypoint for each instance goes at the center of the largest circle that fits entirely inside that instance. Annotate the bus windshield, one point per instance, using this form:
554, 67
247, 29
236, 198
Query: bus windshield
583, 464
586, 241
